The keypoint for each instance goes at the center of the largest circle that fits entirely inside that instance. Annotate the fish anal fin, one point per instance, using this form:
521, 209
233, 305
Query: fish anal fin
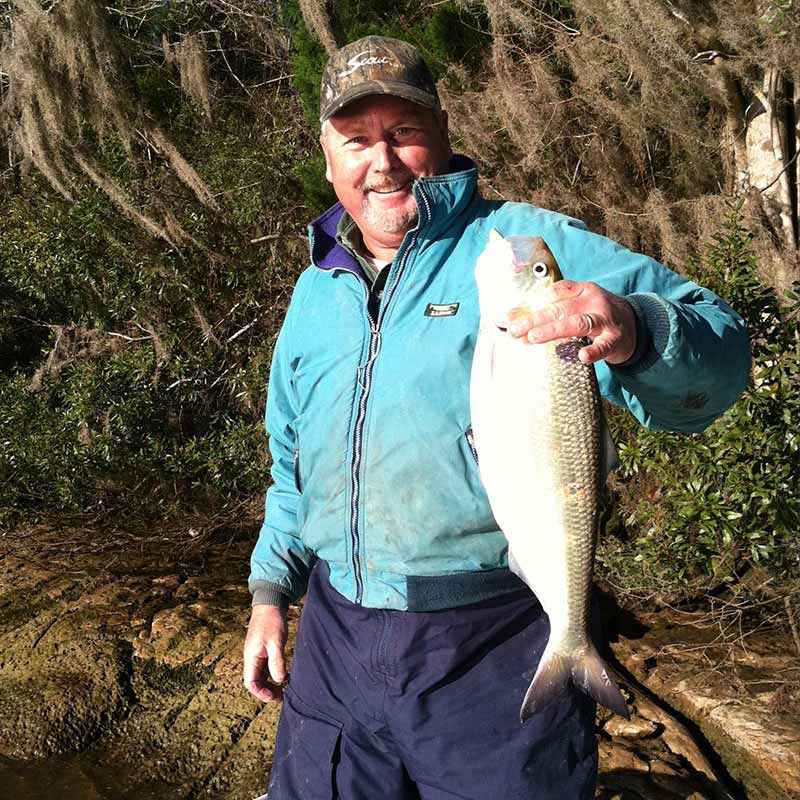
514, 566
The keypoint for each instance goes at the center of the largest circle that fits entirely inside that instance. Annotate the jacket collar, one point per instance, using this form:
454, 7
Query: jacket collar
440, 198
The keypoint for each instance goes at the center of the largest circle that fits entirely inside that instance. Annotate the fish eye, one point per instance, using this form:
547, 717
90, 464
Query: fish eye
540, 269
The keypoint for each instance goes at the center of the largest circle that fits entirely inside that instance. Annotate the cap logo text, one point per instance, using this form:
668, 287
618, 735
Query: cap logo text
363, 60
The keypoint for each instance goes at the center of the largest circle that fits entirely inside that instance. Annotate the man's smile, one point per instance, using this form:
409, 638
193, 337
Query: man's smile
388, 192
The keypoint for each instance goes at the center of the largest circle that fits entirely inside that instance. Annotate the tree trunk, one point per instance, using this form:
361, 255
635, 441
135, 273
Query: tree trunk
795, 170
769, 165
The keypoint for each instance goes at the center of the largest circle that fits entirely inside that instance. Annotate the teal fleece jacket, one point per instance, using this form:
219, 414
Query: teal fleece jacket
373, 468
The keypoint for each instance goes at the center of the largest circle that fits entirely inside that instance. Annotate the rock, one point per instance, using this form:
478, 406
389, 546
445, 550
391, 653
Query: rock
676, 737
146, 671
168, 581
618, 756
61, 684
634, 728
643, 767
741, 706
769, 740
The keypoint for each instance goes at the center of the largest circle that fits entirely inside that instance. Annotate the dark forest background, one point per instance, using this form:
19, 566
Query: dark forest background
160, 163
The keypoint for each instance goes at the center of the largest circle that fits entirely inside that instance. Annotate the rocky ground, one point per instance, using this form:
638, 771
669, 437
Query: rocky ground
130, 657
735, 685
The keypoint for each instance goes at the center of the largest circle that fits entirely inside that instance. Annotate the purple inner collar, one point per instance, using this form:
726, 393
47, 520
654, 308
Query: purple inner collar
326, 252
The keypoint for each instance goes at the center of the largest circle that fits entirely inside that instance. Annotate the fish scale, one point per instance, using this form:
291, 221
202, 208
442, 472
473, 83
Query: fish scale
538, 428
575, 391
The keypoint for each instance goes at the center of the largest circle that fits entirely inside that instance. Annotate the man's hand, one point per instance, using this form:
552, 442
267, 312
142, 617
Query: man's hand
582, 309
264, 662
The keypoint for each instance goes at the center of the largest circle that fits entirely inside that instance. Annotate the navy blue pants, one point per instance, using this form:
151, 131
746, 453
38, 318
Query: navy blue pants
398, 705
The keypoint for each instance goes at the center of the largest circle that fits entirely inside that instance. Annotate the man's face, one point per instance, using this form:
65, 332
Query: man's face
374, 148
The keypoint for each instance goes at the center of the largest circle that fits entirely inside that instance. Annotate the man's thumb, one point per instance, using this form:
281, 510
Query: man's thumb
276, 662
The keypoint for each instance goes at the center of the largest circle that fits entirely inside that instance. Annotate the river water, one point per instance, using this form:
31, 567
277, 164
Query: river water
76, 778
32, 780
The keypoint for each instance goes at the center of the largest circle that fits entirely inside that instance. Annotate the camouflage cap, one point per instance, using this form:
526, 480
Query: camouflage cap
376, 65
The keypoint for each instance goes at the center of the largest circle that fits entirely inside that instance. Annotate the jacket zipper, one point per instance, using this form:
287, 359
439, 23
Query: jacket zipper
366, 374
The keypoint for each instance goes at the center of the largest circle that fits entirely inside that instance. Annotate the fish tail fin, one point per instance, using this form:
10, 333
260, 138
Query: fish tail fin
589, 673
552, 676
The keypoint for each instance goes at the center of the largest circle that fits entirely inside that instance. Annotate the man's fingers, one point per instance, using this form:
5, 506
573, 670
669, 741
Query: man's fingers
264, 666
573, 325
555, 305
564, 289
255, 669
578, 309
267, 694
596, 351
522, 320
256, 679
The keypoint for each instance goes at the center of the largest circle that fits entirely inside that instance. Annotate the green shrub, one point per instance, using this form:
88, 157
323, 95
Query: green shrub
102, 438
133, 370
317, 191
700, 510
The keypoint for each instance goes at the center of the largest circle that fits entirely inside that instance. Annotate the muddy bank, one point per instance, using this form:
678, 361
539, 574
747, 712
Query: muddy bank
736, 686
135, 662
128, 662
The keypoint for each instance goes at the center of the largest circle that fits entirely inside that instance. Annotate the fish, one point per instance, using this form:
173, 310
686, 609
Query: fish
543, 457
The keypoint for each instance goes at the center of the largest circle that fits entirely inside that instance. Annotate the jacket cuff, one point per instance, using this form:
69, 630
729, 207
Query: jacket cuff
652, 333
269, 594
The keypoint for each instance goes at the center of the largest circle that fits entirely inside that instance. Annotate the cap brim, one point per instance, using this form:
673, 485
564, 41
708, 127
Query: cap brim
367, 88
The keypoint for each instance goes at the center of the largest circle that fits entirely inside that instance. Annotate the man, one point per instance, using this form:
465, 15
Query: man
416, 642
